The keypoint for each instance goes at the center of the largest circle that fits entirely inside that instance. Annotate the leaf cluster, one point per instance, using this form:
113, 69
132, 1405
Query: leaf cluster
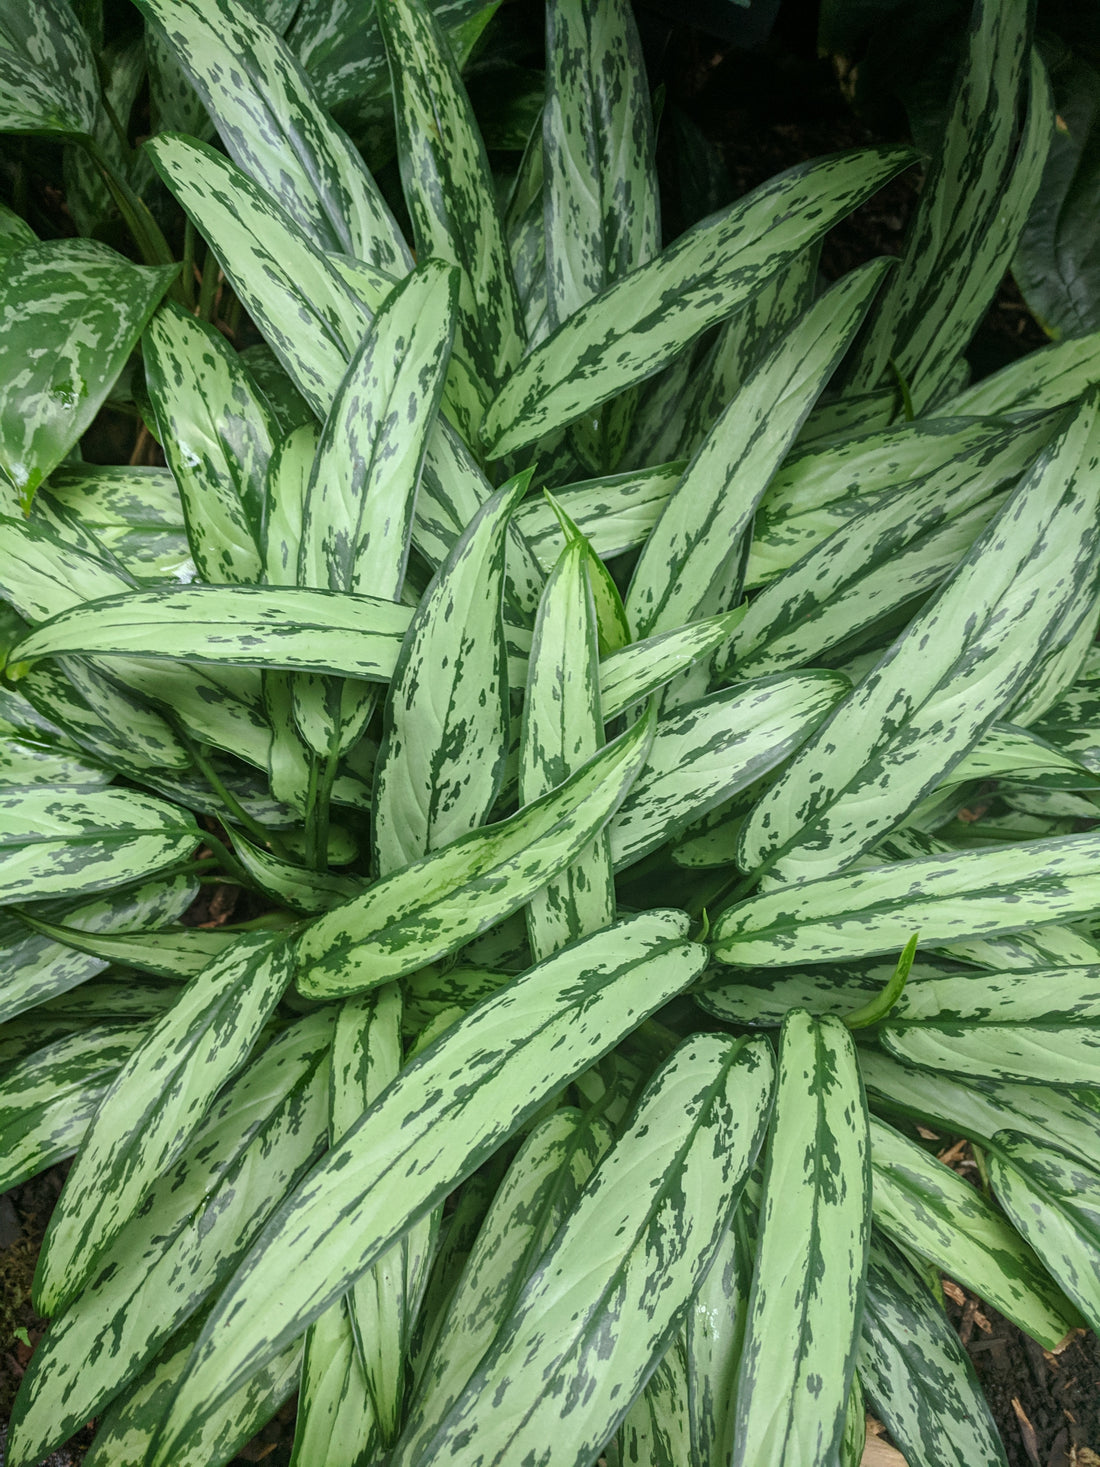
650, 700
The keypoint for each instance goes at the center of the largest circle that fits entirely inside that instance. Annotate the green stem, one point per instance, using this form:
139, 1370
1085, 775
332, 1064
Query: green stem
208, 290
266, 838
146, 231
322, 775
231, 865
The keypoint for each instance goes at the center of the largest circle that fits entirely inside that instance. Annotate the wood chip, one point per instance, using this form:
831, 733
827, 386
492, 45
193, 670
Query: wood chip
1027, 1432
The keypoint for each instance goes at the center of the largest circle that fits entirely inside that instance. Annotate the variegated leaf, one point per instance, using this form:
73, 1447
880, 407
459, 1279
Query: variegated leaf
425, 910
600, 188
449, 191
642, 1235
972, 209
641, 668
822, 489
48, 76
956, 667
218, 436
128, 1426
931, 1211
335, 1421
538, 1192
65, 843
642, 321
713, 1339
693, 549
71, 312
232, 626
511, 1053
614, 513
134, 513
446, 716
656, 1430
562, 727
979, 1109
1054, 1200
162, 1267
275, 128
358, 511
309, 317
155, 1105
959, 895
917, 1376
49, 1097
705, 752
815, 1224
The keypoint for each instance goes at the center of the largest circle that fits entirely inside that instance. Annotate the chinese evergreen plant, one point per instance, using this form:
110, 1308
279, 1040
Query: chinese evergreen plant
598, 661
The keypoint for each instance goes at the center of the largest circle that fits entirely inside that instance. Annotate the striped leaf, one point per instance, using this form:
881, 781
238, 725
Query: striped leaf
511, 1052
972, 209
432, 907
101, 717
1050, 1052
654, 1210
901, 546
743, 343
449, 191
820, 490
38, 965
366, 1057
955, 668
1073, 724
917, 1376
705, 752
48, 75
134, 513
249, 1153
614, 513
600, 189
49, 1097
24, 763
538, 1192
128, 1426
155, 1104
65, 843
1054, 1201
958, 895
335, 1421
641, 668
173, 952
812, 1254
309, 317
713, 1339
562, 727
979, 1109
656, 1431
274, 127
639, 323
233, 626
1048, 378
446, 716
929, 1210
218, 436
71, 312
693, 550
290, 885
358, 511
